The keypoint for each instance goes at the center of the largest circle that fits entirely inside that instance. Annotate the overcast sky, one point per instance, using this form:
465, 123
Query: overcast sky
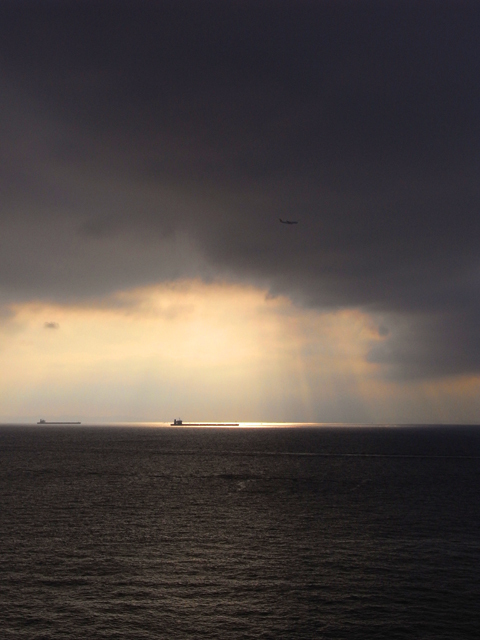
150, 143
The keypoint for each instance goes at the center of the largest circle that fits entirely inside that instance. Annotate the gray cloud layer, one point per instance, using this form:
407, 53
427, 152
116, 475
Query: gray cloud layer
144, 141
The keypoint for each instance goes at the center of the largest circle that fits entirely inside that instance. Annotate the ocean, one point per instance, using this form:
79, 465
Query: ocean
236, 533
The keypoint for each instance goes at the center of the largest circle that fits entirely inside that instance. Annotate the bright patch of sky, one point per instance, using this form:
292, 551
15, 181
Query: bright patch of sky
209, 352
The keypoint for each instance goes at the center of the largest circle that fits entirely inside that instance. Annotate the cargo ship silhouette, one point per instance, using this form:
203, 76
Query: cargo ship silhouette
180, 423
42, 421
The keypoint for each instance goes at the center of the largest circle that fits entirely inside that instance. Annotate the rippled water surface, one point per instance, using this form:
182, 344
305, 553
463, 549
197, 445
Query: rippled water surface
111, 532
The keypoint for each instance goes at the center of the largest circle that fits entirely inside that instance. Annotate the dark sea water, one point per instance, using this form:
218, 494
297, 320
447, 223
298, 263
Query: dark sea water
142, 533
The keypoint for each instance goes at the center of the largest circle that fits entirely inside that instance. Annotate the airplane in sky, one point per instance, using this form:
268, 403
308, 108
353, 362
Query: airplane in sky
288, 221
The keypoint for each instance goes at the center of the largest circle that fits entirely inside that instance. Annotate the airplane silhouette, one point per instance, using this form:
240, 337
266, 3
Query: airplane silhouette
288, 221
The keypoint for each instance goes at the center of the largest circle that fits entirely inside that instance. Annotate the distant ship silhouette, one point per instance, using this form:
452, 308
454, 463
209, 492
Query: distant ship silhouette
42, 421
180, 423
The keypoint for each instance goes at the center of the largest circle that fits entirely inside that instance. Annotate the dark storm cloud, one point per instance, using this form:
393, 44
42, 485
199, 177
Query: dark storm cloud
444, 342
154, 140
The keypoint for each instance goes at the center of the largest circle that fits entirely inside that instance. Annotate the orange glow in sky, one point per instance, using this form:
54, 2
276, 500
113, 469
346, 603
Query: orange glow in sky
216, 352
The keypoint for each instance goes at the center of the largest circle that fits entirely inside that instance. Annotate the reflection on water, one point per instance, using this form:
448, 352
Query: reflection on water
239, 533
